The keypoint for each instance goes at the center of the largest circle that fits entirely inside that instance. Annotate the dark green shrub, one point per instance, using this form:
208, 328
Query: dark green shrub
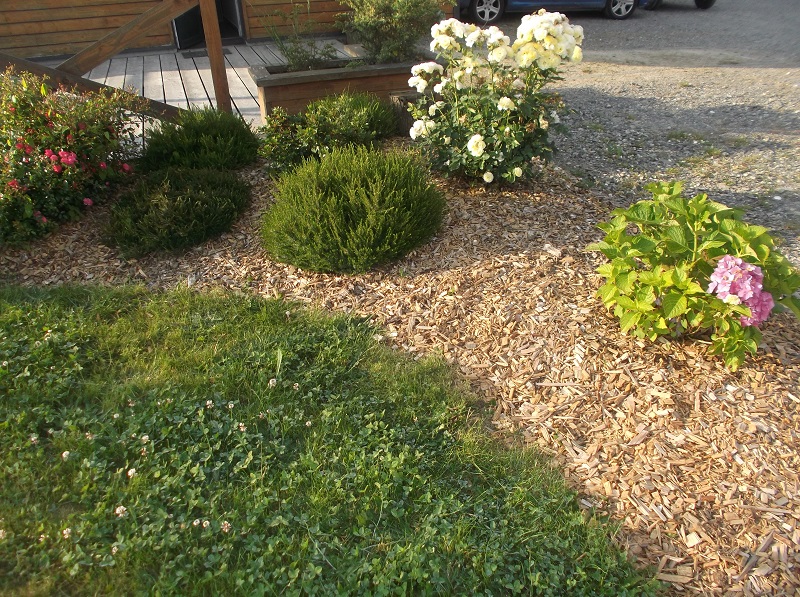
175, 209
333, 121
204, 138
351, 210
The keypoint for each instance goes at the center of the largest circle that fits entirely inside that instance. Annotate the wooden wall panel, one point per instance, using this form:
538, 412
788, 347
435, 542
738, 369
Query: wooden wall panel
45, 27
260, 16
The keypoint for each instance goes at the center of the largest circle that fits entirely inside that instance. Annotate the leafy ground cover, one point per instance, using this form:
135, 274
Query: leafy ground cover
217, 443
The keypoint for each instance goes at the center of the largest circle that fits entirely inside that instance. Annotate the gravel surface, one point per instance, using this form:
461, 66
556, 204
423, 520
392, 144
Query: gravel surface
708, 97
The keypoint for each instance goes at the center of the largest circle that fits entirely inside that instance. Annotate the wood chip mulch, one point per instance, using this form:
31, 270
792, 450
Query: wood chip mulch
697, 465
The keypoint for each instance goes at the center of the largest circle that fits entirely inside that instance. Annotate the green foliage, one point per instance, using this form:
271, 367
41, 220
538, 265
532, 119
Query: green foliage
353, 209
175, 209
389, 30
657, 279
483, 113
61, 150
214, 444
201, 138
302, 52
333, 121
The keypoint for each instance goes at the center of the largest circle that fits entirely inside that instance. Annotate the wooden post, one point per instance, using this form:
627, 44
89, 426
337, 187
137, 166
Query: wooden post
208, 11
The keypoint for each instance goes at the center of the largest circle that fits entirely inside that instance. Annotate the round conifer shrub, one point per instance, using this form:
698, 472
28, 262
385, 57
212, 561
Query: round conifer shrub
351, 210
175, 209
200, 138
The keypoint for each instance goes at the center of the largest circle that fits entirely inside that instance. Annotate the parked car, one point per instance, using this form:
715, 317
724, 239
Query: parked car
489, 11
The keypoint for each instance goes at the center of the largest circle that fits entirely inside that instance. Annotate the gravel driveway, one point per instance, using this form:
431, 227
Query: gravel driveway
709, 97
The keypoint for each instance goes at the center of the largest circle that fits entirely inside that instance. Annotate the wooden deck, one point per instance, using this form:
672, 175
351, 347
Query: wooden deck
183, 78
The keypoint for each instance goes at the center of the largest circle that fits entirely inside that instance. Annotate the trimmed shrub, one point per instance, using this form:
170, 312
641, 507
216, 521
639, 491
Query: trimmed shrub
201, 138
353, 209
333, 121
176, 208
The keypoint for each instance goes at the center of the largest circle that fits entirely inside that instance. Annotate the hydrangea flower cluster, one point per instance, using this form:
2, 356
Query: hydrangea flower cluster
491, 119
740, 283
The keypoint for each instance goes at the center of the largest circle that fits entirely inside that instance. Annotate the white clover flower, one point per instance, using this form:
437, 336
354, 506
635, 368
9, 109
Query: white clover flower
64, 454
488, 176
273, 382
2, 534
131, 473
196, 522
517, 172
295, 386
209, 404
225, 527
145, 438
242, 427
114, 550
120, 511
42, 538
115, 416
308, 423
89, 436
230, 405
34, 439
206, 524
66, 533
505, 103
476, 145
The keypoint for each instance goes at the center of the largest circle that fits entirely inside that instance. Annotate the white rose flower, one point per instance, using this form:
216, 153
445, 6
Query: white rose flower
488, 177
476, 145
419, 83
577, 54
506, 103
499, 54
517, 171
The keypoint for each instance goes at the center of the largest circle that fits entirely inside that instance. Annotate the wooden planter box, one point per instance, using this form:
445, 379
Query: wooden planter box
293, 91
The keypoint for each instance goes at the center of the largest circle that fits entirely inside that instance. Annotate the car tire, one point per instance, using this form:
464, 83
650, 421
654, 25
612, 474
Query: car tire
619, 9
652, 4
704, 4
486, 12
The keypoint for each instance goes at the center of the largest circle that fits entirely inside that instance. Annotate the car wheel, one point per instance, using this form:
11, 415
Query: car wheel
704, 3
487, 12
619, 9
652, 4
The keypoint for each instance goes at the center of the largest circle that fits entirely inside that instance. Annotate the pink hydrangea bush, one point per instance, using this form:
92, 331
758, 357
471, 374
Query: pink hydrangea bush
62, 147
690, 267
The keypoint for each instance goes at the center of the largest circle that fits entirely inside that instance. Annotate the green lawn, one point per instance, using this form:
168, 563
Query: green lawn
182, 443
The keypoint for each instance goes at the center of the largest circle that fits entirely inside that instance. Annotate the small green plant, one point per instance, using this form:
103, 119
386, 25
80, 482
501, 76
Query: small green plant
201, 138
389, 30
176, 208
692, 267
61, 151
302, 52
353, 209
333, 121
491, 119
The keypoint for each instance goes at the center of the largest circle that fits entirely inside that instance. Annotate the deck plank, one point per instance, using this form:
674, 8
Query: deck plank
192, 83
174, 93
99, 73
244, 92
116, 72
134, 74
202, 64
153, 84
267, 56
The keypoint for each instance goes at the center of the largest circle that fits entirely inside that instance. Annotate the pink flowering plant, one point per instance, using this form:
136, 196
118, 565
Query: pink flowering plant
59, 148
483, 113
693, 267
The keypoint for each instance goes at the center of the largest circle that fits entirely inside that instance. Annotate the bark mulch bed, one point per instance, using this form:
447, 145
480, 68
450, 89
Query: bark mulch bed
699, 466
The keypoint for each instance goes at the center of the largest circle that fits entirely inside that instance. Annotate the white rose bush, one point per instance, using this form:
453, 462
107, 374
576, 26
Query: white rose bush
483, 113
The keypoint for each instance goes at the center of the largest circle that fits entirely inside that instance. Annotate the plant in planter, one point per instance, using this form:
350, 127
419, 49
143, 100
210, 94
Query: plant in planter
390, 30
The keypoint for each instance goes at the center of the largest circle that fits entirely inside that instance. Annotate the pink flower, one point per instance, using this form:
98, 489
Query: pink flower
14, 184
48, 152
737, 282
103, 165
126, 168
87, 202
19, 145
28, 149
57, 169
53, 158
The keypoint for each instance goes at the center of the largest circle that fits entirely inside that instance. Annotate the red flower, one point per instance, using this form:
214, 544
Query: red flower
48, 152
82, 126
20, 145
14, 184
88, 202
126, 168
103, 165
57, 169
